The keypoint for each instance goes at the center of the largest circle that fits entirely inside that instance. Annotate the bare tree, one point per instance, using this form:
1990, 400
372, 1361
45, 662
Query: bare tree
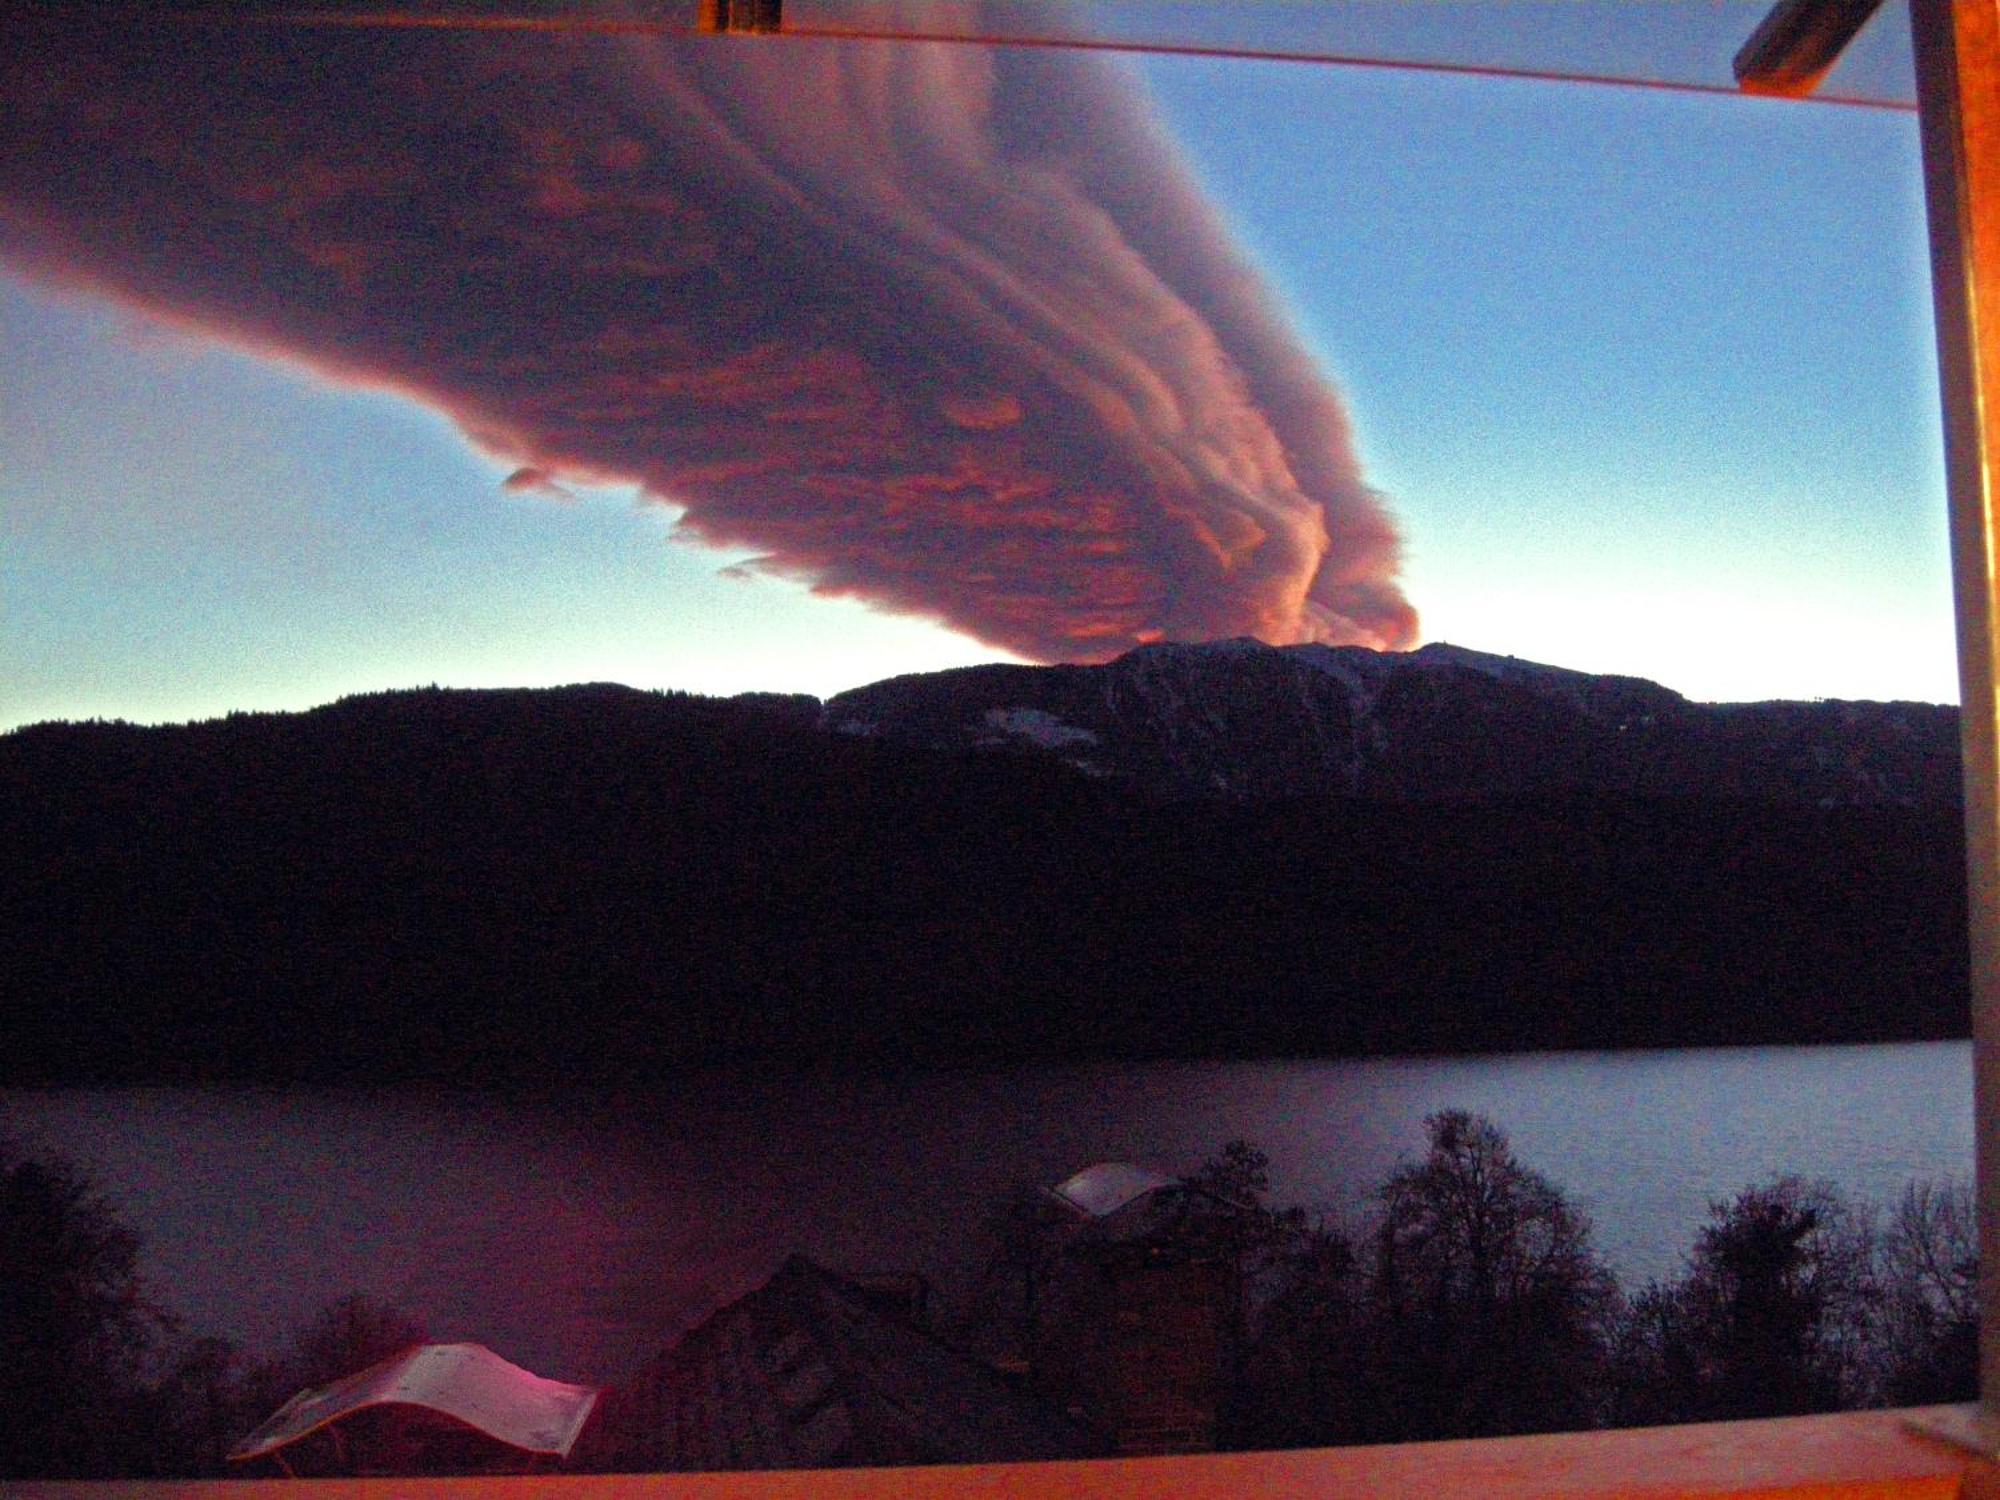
1490, 1306
1929, 1269
349, 1334
346, 1335
1023, 1232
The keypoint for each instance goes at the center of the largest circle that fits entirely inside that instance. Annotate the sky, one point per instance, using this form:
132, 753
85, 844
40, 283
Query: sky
1029, 357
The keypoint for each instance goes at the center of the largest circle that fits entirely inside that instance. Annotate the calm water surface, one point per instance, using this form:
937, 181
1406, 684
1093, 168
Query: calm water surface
575, 1232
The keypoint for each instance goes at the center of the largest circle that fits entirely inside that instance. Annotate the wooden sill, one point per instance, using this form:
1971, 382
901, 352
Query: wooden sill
1849, 1456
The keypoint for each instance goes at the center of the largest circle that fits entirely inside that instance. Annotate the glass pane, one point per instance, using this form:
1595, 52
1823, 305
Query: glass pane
1331, 607
1673, 42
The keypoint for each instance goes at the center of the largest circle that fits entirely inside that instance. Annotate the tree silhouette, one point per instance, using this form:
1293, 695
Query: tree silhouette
344, 1337
1301, 1383
76, 1326
348, 1334
1773, 1317
202, 1404
1929, 1332
1490, 1306
1226, 1212
1022, 1234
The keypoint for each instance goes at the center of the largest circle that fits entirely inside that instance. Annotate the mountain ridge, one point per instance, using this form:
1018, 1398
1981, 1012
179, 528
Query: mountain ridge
517, 885
1247, 721
1244, 720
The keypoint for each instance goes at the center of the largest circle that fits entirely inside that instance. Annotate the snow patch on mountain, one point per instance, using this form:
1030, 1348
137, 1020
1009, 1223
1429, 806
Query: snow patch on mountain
1237, 719
1038, 726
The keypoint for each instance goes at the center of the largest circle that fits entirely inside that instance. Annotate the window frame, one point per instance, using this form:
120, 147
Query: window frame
1957, 45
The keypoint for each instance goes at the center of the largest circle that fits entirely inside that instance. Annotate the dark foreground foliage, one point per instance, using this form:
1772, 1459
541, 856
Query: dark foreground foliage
1469, 1303
98, 1381
1466, 1300
1476, 1306
76, 1326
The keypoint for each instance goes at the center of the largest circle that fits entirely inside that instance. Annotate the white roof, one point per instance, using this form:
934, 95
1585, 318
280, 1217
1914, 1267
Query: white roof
466, 1381
1102, 1190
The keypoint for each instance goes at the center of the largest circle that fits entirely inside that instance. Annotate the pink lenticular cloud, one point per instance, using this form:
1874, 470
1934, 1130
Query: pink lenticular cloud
949, 329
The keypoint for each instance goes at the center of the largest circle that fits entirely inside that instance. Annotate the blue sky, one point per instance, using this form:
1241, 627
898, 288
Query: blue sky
190, 530
1645, 380
1648, 379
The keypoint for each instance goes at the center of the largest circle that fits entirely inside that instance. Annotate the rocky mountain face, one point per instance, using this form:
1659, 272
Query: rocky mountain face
1245, 721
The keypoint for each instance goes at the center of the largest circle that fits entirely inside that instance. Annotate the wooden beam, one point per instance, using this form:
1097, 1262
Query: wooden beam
739, 17
1958, 97
1861, 1455
1797, 44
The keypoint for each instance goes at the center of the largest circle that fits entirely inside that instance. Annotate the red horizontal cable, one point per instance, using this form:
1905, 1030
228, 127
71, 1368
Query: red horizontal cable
1076, 44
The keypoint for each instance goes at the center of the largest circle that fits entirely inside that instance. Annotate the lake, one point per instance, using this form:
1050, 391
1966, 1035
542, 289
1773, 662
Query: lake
577, 1231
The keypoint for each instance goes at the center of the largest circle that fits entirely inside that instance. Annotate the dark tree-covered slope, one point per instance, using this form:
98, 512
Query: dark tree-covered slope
596, 882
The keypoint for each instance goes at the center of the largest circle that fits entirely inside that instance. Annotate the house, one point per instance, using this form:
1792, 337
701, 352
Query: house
1132, 1332
816, 1370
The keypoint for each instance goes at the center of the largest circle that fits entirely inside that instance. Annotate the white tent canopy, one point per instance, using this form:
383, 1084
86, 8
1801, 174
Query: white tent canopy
1102, 1190
466, 1381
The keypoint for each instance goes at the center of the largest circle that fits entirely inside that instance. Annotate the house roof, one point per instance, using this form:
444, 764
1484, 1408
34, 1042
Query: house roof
466, 1381
809, 1371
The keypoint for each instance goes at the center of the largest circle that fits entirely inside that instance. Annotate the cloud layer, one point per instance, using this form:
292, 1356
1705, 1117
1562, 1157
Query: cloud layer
946, 328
